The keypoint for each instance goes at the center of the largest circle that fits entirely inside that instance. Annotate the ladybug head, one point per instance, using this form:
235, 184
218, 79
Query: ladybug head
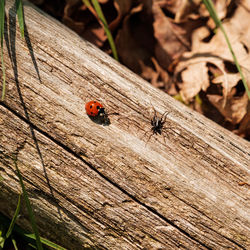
101, 112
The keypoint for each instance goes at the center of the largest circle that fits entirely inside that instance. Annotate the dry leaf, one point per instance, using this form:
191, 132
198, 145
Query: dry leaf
187, 9
129, 49
196, 79
235, 108
244, 129
221, 10
216, 52
171, 38
72, 12
158, 77
122, 8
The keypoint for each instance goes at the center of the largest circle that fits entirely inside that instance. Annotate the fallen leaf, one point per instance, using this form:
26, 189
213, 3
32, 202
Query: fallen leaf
216, 52
244, 129
123, 8
72, 16
187, 9
235, 108
196, 79
171, 38
158, 77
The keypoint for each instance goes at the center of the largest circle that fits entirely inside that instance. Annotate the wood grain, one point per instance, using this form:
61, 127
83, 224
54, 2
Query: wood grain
106, 186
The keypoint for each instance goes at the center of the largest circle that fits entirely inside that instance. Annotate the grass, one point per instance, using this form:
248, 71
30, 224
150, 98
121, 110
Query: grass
30, 210
18, 236
210, 7
19, 11
10, 233
5, 236
99, 14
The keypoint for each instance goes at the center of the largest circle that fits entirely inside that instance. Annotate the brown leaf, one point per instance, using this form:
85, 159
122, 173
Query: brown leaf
72, 16
216, 52
227, 81
221, 10
187, 9
95, 34
235, 108
170, 5
122, 8
196, 79
244, 129
135, 45
129, 50
171, 38
127, 43
158, 77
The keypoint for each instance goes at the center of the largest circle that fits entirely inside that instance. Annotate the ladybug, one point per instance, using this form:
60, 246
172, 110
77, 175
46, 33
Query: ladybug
96, 112
94, 108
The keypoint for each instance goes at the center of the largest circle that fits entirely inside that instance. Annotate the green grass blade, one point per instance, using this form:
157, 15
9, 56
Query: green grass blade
87, 3
210, 7
2, 18
13, 221
106, 28
14, 244
45, 242
29, 208
19, 9
2, 236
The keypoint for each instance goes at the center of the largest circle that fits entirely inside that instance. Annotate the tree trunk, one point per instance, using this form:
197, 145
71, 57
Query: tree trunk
117, 186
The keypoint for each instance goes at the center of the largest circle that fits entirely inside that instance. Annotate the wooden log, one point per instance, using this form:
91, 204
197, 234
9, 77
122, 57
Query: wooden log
109, 186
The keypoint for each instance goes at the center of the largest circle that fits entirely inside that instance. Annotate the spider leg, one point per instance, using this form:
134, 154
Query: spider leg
154, 111
164, 116
152, 108
165, 132
144, 135
128, 120
148, 138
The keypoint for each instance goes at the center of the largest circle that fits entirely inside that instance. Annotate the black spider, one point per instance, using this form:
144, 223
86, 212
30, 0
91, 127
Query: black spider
157, 124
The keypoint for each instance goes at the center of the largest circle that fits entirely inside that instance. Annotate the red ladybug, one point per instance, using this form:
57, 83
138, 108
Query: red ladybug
94, 108
96, 112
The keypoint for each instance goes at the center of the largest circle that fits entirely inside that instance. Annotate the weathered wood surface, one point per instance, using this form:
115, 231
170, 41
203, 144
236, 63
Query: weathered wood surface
103, 186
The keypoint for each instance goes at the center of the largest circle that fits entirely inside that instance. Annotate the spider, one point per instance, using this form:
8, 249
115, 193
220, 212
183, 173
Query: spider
157, 125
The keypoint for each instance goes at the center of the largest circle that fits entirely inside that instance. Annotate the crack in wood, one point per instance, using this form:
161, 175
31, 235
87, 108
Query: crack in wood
152, 210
